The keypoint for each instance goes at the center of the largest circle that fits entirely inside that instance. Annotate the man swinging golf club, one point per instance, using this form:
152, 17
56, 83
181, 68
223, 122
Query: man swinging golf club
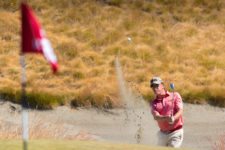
167, 110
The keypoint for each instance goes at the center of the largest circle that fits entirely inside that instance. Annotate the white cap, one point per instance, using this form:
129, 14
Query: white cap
156, 80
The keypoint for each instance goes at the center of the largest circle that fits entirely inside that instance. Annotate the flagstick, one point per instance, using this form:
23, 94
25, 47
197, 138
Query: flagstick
24, 103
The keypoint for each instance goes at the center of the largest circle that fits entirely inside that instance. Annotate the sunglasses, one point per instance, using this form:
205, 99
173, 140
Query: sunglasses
154, 86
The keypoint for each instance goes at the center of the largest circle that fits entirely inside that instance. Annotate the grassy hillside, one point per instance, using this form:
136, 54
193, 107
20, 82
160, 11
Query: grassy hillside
181, 41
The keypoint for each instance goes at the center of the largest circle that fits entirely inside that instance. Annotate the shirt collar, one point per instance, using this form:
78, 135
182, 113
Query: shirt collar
166, 95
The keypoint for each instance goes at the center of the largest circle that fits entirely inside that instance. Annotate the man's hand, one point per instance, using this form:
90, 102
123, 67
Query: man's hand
164, 118
171, 120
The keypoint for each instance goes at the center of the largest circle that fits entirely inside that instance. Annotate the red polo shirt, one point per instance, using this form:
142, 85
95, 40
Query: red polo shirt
165, 106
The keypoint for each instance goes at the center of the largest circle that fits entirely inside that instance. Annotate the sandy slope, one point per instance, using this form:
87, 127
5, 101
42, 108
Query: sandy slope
203, 124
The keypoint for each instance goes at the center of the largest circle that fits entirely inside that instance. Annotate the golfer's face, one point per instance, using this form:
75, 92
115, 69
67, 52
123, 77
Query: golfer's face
157, 89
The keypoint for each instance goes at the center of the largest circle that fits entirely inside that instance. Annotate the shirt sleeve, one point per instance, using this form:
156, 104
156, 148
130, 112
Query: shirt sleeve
153, 108
178, 101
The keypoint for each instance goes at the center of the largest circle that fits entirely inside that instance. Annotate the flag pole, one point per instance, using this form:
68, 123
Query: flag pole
33, 41
25, 128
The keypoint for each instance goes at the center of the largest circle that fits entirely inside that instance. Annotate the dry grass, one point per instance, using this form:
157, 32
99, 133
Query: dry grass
184, 45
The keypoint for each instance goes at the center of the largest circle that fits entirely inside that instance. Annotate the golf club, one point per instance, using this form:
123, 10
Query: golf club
172, 87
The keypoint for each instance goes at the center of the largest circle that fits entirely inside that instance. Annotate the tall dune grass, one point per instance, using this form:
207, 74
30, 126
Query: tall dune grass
181, 43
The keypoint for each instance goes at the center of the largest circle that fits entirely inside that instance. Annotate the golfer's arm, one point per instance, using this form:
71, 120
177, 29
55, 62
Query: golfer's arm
159, 117
178, 114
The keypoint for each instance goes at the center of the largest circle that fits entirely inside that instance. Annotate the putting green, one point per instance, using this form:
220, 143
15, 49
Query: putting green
72, 145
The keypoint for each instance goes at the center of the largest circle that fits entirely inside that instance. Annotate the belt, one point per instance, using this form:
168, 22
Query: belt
175, 129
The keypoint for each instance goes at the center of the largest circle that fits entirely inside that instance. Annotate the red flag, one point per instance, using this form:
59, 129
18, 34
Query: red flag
33, 37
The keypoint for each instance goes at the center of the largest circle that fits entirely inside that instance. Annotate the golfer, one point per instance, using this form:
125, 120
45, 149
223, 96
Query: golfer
167, 110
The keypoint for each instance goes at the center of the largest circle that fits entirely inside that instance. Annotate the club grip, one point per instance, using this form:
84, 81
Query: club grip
172, 86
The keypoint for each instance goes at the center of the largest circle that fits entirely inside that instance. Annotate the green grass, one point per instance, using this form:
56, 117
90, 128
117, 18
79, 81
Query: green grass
72, 145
